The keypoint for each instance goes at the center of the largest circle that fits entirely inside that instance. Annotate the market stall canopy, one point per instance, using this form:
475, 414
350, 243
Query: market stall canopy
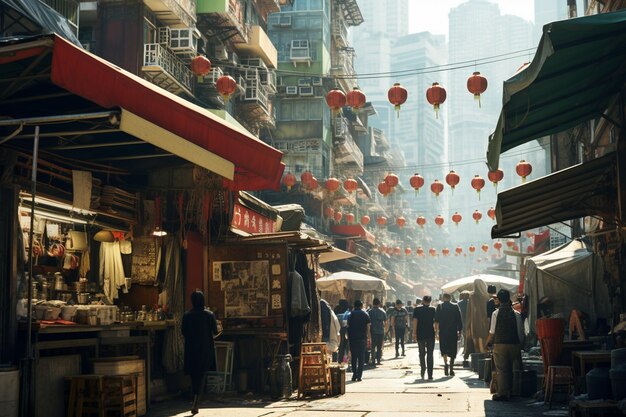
572, 277
350, 280
334, 254
576, 72
28, 16
578, 191
467, 283
100, 114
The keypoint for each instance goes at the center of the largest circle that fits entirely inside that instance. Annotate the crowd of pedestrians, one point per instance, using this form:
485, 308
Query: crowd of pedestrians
481, 321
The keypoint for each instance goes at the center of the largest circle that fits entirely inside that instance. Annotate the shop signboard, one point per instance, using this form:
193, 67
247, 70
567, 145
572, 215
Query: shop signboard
250, 221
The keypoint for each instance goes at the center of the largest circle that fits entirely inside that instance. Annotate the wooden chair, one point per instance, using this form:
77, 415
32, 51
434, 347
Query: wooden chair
559, 379
314, 370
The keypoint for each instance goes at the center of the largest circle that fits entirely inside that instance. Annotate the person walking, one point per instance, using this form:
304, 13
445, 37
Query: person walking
477, 325
399, 322
199, 327
424, 334
463, 301
378, 318
448, 325
507, 336
342, 311
358, 332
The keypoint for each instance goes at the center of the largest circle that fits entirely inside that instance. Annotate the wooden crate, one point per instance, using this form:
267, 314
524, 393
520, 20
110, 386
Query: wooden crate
125, 366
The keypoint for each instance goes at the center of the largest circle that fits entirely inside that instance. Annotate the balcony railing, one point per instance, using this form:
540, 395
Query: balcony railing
346, 150
158, 58
174, 12
340, 32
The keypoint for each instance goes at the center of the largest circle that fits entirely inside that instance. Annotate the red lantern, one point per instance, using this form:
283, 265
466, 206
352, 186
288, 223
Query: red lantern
306, 177
355, 99
485, 247
515, 248
397, 95
477, 215
458, 250
456, 218
289, 180
523, 169
439, 220
477, 84
338, 215
335, 99
478, 183
497, 245
420, 251
397, 250
436, 95
384, 189
407, 251
421, 221
312, 184
365, 220
200, 66
452, 179
495, 177
349, 218
332, 184
491, 213
401, 221
436, 187
391, 180
432, 251
329, 212
350, 185
445, 251
226, 86
381, 220
510, 243
472, 248
417, 182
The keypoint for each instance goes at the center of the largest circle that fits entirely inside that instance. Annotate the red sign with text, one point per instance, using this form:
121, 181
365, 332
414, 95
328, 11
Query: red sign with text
250, 221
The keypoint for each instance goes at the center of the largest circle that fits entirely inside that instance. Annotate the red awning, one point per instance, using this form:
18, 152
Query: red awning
257, 165
355, 230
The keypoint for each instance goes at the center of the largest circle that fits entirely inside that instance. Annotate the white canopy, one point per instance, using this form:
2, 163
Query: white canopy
572, 277
467, 283
350, 280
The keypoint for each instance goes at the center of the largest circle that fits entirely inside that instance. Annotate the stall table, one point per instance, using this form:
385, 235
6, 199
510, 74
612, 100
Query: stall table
584, 360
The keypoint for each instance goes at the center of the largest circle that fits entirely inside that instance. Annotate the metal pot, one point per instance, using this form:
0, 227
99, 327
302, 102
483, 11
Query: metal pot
83, 298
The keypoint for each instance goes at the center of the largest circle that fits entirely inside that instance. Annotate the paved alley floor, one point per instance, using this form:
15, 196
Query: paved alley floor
391, 389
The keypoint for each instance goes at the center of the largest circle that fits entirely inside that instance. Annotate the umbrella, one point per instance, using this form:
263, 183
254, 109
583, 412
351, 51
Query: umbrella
467, 283
350, 280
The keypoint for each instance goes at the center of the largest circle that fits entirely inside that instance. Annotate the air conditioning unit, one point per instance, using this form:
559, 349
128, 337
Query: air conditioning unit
291, 90
304, 82
306, 91
316, 81
284, 21
221, 53
233, 58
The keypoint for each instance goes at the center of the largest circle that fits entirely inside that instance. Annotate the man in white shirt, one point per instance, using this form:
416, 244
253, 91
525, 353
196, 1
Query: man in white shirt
506, 333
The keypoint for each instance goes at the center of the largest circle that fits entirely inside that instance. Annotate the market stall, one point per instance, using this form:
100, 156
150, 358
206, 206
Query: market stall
350, 285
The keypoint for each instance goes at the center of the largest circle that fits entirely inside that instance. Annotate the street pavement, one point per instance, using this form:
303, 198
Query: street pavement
394, 388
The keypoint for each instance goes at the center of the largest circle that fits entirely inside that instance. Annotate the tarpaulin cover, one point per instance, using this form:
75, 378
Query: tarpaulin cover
350, 280
572, 277
467, 283
45, 17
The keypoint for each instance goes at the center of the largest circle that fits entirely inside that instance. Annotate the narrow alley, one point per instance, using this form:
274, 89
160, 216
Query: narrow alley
391, 389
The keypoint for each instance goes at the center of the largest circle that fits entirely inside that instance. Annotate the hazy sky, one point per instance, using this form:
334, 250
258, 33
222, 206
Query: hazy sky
432, 16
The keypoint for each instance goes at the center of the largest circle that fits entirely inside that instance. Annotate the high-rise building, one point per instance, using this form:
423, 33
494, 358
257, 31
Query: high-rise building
390, 18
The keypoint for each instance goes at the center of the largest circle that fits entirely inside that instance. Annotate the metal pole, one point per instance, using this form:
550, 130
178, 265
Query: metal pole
28, 383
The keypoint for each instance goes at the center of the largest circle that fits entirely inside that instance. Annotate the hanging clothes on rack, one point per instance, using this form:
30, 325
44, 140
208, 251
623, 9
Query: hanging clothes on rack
111, 269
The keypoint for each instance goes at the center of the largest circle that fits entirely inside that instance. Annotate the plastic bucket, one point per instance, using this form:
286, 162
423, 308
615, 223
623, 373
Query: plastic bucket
618, 357
549, 328
9, 392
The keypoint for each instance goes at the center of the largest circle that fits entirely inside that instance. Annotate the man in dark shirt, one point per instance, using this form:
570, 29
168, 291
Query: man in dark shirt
358, 331
378, 318
399, 322
424, 334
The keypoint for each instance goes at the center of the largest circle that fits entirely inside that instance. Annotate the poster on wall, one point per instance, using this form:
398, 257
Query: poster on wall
246, 287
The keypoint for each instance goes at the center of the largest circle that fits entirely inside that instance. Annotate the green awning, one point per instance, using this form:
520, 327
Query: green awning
582, 190
579, 66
